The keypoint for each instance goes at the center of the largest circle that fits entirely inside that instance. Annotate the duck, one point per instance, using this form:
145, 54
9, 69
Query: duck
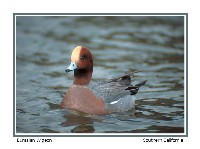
97, 98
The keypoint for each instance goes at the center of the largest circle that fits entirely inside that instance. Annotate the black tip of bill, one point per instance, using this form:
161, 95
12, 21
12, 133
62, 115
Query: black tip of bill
67, 70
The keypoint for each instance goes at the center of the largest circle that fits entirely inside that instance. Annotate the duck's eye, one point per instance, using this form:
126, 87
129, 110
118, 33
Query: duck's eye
83, 57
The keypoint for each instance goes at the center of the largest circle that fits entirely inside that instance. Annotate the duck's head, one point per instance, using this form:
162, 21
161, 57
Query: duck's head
81, 59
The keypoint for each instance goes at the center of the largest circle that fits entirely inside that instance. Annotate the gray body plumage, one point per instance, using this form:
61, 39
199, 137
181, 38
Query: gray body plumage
117, 93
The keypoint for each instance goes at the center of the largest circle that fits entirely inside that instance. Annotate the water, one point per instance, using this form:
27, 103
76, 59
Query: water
154, 44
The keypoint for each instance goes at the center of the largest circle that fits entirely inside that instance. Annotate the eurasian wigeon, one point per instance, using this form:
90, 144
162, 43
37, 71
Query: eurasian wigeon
114, 95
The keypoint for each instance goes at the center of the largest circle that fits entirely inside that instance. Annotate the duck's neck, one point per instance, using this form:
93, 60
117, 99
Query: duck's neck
82, 76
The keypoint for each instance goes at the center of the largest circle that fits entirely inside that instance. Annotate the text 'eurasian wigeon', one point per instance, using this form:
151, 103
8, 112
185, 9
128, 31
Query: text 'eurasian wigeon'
114, 95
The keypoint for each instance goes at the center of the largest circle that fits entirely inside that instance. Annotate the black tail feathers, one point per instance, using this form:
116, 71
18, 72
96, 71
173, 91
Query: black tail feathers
135, 89
141, 83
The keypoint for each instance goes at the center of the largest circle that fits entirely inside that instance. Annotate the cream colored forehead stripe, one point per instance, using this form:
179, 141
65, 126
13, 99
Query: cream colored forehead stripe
76, 54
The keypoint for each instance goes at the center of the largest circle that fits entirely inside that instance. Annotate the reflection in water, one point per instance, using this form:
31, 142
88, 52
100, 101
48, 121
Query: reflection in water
82, 123
154, 44
83, 128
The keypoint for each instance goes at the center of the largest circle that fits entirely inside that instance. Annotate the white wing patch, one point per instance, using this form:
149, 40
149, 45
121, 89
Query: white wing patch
114, 102
123, 104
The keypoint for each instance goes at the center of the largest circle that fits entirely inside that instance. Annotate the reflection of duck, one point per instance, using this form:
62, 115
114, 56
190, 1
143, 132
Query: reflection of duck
115, 95
82, 123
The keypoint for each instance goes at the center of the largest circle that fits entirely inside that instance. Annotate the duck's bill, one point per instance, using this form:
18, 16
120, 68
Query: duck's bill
71, 67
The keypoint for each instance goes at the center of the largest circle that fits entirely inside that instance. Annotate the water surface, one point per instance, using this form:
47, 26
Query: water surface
154, 44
